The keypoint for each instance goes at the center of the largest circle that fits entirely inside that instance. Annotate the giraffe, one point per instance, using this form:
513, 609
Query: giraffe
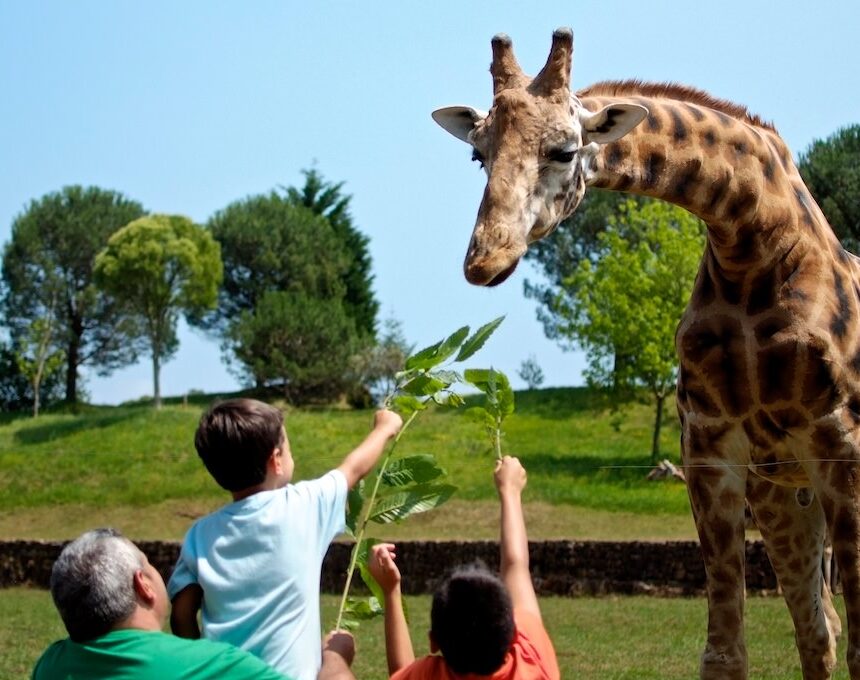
768, 388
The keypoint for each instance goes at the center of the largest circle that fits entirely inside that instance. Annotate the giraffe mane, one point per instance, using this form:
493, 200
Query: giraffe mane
684, 93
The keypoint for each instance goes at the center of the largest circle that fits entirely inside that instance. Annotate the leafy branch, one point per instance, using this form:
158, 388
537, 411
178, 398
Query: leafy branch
499, 403
411, 484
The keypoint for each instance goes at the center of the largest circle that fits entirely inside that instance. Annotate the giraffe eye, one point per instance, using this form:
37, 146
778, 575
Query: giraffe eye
476, 156
562, 155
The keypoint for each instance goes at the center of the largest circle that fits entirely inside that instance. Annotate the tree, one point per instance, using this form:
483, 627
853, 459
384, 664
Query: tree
38, 357
576, 239
296, 343
16, 389
376, 366
157, 267
269, 244
831, 170
52, 250
530, 372
623, 308
325, 198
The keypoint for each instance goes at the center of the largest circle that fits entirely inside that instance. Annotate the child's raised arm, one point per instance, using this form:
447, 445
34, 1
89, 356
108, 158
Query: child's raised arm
386, 424
510, 477
183, 612
398, 644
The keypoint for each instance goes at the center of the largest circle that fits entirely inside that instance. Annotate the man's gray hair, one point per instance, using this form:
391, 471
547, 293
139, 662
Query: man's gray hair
92, 583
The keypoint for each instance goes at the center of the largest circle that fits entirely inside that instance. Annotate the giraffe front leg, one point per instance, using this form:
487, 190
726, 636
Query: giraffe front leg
717, 500
792, 526
838, 485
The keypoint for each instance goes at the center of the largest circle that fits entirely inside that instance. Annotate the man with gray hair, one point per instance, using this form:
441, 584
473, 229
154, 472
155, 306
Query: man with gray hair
114, 605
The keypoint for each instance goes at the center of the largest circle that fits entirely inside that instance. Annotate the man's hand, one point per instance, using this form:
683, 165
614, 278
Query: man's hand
510, 476
382, 567
388, 422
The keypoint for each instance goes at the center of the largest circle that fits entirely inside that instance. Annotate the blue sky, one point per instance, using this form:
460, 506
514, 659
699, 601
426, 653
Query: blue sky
187, 106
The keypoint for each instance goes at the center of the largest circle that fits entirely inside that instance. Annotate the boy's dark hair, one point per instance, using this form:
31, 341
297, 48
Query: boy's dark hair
235, 439
472, 620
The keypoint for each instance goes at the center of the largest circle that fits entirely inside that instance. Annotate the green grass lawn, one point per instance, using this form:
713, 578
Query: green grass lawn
136, 468
612, 638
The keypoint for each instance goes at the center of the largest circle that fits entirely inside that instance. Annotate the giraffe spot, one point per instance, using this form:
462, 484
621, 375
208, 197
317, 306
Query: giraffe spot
768, 169
768, 327
623, 183
853, 409
704, 439
819, 392
844, 532
695, 398
739, 147
762, 292
789, 418
654, 165
704, 292
687, 178
696, 112
731, 291
653, 121
842, 318
700, 493
794, 565
741, 203
724, 534
679, 129
759, 441
718, 193
710, 137
725, 121
614, 156
769, 426
827, 438
801, 198
775, 371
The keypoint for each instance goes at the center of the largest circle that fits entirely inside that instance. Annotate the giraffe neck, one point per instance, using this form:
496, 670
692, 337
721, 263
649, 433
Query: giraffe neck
735, 173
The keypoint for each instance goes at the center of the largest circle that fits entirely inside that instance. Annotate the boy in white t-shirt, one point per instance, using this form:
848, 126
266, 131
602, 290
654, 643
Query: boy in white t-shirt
254, 565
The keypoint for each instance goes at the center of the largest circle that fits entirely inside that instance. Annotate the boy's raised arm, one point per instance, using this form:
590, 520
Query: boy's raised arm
510, 477
360, 461
183, 612
398, 644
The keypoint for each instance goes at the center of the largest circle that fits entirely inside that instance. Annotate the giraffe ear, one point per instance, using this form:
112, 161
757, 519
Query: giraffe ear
611, 123
458, 120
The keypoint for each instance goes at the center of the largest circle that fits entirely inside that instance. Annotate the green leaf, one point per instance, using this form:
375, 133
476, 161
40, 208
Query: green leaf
354, 504
364, 609
449, 399
481, 416
436, 354
349, 624
423, 385
361, 561
417, 469
406, 404
497, 387
424, 358
477, 341
397, 506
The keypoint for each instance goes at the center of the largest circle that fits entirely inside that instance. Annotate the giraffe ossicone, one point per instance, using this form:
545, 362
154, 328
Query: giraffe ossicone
769, 346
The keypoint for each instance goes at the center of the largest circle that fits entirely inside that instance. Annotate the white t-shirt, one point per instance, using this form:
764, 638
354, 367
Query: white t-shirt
258, 561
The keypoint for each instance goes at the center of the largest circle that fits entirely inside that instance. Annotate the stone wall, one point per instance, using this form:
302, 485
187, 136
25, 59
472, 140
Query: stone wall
558, 567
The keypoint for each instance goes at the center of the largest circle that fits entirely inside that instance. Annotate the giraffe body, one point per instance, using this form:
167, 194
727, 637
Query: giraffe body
769, 346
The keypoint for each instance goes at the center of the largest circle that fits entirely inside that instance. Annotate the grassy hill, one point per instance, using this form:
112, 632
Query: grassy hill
130, 464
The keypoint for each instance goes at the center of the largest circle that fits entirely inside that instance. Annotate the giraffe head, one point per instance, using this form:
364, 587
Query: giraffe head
535, 145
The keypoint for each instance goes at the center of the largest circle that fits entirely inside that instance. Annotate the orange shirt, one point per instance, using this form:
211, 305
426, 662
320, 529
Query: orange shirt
531, 657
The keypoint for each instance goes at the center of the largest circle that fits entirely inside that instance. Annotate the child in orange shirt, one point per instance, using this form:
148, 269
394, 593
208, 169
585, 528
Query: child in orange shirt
482, 625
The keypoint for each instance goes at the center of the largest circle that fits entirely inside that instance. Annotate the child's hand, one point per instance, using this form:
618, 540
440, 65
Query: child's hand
342, 643
382, 567
510, 475
387, 421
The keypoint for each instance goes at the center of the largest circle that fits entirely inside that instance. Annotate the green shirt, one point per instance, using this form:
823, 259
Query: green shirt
147, 655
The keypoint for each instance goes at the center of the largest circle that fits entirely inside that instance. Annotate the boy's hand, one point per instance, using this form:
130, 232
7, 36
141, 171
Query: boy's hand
382, 567
510, 475
341, 643
388, 422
